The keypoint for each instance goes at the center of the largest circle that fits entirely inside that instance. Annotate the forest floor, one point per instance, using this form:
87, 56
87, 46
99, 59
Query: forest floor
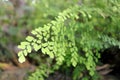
11, 72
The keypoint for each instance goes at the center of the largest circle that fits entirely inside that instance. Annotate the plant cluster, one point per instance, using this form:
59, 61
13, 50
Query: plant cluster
75, 38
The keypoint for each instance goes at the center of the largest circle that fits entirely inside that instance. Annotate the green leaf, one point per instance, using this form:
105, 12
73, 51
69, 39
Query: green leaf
46, 27
39, 36
25, 43
52, 38
36, 47
20, 53
48, 35
72, 49
46, 39
53, 22
91, 73
34, 32
39, 30
51, 55
21, 46
51, 43
43, 50
29, 49
39, 41
45, 33
74, 63
21, 59
50, 47
44, 44
25, 52
34, 40
47, 51
30, 38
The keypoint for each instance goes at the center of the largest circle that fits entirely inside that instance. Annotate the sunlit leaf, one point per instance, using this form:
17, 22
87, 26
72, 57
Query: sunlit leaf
25, 43
25, 52
34, 32
29, 49
29, 38
21, 46
20, 53
36, 47
21, 59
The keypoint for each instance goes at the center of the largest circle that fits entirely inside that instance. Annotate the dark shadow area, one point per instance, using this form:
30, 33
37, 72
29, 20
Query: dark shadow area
111, 56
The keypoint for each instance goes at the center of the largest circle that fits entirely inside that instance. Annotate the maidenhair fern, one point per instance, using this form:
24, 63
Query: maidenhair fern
75, 38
